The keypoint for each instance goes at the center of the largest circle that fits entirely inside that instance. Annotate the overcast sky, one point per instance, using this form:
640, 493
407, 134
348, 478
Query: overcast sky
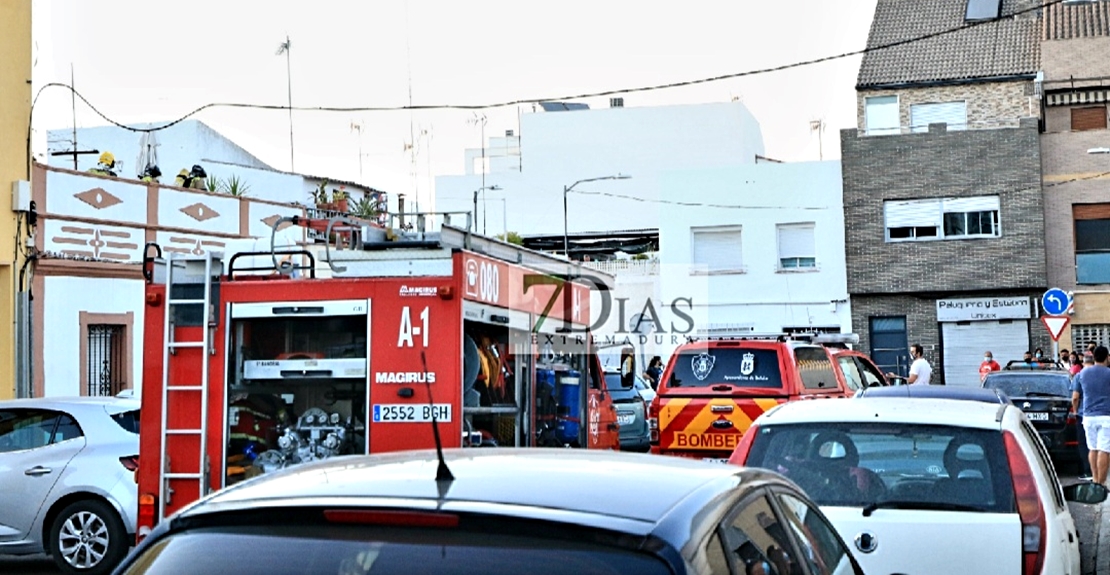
138, 60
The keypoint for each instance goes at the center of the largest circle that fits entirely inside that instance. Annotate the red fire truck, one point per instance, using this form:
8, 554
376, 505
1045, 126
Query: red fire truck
249, 368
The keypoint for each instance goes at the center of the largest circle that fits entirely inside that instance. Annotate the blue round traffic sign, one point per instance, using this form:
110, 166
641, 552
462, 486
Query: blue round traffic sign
1055, 301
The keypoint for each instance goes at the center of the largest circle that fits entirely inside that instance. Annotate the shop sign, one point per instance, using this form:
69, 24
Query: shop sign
984, 309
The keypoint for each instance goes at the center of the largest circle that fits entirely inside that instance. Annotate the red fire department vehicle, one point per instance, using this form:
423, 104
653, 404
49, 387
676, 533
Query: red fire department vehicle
250, 368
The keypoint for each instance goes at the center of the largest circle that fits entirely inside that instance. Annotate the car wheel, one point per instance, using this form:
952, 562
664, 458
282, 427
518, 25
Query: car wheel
88, 538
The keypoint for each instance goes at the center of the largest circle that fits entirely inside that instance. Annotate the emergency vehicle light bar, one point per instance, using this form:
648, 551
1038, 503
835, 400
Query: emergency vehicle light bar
727, 335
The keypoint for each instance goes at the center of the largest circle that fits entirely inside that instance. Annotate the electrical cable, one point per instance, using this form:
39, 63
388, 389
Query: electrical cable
698, 204
611, 92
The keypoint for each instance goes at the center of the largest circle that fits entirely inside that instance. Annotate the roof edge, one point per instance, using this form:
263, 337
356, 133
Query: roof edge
960, 82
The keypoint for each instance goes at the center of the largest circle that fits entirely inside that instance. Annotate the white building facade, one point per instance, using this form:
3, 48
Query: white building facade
554, 150
192, 142
762, 252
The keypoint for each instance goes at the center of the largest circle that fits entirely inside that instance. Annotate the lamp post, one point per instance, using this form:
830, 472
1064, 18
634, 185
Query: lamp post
567, 190
475, 217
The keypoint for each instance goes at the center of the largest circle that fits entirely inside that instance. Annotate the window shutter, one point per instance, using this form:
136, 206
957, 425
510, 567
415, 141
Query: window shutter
881, 115
952, 113
976, 204
912, 213
718, 249
796, 241
1091, 211
1093, 118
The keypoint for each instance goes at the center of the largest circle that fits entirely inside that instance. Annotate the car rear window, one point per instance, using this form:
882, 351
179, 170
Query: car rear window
744, 367
613, 381
337, 550
128, 420
1026, 385
896, 465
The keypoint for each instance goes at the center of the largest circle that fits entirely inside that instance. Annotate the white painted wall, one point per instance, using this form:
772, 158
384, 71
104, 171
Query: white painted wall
560, 148
180, 147
763, 297
61, 326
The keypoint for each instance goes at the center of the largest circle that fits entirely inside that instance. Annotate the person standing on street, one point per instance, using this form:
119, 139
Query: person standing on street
655, 371
1075, 364
988, 365
920, 371
1077, 408
1095, 391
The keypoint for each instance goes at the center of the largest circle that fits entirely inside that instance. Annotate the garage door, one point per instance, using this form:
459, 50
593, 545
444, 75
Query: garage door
965, 342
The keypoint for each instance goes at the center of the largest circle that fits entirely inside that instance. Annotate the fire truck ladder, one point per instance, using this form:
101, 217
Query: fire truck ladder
184, 265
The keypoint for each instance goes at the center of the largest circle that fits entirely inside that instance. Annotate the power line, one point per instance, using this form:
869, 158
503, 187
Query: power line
698, 204
665, 86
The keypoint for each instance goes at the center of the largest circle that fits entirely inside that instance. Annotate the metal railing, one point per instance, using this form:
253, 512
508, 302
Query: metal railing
626, 267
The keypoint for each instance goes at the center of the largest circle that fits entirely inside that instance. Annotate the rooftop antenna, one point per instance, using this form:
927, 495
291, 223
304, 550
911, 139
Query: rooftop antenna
443, 474
285, 48
819, 127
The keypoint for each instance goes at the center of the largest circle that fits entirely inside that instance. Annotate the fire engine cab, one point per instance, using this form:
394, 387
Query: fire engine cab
256, 361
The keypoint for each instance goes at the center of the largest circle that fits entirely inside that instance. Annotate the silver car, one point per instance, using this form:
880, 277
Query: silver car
492, 511
66, 467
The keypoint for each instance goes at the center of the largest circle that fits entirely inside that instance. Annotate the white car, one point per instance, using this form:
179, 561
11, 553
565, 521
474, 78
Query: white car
926, 485
66, 467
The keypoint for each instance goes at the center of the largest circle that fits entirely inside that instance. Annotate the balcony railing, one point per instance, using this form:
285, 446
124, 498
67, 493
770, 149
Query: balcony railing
626, 267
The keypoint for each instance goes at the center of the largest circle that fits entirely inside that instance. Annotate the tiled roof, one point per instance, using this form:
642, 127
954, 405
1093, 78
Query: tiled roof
1004, 47
1069, 20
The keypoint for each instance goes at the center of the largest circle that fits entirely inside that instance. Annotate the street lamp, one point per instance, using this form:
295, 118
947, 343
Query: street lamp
493, 187
566, 190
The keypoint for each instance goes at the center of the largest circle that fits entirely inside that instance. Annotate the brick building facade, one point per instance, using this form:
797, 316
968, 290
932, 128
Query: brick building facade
944, 214
1074, 44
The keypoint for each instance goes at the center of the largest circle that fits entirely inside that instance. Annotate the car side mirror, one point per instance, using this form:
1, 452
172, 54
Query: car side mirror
1090, 493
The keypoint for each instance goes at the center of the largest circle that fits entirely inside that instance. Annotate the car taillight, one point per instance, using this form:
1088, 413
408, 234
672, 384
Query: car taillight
131, 462
653, 421
392, 518
740, 454
1029, 508
145, 520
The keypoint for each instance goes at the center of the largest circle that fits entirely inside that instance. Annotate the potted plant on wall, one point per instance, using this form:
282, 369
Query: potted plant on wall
339, 200
320, 196
366, 208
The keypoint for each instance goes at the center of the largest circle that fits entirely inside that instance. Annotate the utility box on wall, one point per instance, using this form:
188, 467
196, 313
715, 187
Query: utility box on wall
21, 196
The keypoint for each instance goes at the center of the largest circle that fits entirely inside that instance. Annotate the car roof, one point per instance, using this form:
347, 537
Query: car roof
556, 481
923, 411
111, 404
936, 392
1023, 373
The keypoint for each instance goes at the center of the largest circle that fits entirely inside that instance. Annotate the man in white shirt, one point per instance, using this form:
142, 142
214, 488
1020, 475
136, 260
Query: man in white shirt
920, 370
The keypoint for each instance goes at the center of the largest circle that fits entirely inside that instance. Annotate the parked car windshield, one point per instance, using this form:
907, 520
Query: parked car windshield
312, 549
738, 366
917, 466
128, 420
1023, 385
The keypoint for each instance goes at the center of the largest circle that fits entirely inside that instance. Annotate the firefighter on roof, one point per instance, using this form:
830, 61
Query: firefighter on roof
105, 165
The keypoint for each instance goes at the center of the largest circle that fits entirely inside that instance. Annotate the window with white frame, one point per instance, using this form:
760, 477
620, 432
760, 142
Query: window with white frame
717, 249
954, 114
880, 115
941, 218
796, 246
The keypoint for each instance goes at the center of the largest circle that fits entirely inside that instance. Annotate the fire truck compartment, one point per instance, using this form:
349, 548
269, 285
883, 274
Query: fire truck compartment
297, 388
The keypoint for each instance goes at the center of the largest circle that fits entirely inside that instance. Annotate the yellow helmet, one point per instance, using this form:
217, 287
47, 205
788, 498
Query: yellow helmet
107, 158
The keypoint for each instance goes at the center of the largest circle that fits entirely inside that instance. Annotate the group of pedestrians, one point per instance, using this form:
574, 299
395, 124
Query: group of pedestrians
1090, 399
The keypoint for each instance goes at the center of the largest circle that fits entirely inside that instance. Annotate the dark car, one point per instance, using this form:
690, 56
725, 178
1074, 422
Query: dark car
1045, 398
631, 413
936, 392
532, 511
